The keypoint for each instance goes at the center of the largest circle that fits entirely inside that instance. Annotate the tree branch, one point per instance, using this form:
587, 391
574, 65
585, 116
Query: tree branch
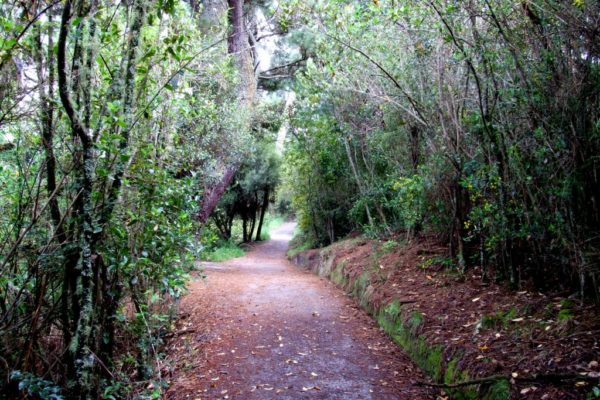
412, 101
63, 86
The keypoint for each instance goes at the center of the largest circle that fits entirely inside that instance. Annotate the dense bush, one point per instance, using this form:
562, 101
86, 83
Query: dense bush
113, 117
477, 121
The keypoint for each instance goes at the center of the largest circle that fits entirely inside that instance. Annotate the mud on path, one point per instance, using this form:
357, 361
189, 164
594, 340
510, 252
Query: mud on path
261, 328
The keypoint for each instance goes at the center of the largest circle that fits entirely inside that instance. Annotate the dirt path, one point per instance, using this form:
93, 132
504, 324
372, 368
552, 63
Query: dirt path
261, 328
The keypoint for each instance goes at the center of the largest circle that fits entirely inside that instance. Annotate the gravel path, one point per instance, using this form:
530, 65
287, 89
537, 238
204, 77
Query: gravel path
261, 328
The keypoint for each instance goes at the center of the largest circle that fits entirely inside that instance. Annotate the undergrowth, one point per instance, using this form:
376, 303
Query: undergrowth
225, 250
299, 243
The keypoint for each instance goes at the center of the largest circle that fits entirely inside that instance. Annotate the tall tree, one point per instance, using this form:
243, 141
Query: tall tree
238, 46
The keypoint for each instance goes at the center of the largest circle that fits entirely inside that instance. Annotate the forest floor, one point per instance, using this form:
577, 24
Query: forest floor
260, 328
545, 344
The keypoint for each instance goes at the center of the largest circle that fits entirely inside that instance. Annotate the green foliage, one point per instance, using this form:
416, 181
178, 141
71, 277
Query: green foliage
36, 386
409, 201
565, 312
389, 246
249, 195
316, 176
99, 230
299, 243
455, 129
498, 320
446, 262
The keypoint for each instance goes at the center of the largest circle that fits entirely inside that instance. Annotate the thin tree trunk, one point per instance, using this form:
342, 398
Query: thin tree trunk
139, 13
79, 346
254, 210
263, 211
359, 183
244, 227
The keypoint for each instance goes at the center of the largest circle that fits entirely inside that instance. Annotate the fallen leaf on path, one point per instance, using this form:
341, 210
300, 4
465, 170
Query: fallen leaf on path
306, 389
527, 390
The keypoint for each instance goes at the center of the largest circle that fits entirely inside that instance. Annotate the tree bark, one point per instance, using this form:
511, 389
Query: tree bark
263, 211
213, 194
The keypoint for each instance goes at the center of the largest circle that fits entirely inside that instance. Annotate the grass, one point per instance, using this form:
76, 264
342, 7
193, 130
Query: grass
225, 251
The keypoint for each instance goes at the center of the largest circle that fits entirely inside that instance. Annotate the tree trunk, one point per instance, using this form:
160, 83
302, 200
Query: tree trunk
254, 210
359, 183
245, 227
263, 211
238, 46
213, 194
79, 346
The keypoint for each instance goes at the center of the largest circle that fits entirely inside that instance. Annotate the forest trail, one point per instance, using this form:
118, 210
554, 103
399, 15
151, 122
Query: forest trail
260, 328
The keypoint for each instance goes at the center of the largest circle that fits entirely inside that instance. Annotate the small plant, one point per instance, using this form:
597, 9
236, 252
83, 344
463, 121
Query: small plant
445, 262
389, 246
36, 386
415, 320
566, 310
498, 320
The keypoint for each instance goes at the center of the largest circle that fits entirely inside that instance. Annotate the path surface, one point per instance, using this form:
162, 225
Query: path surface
261, 328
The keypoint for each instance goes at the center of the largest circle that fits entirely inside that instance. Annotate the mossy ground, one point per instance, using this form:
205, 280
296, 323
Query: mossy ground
430, 357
